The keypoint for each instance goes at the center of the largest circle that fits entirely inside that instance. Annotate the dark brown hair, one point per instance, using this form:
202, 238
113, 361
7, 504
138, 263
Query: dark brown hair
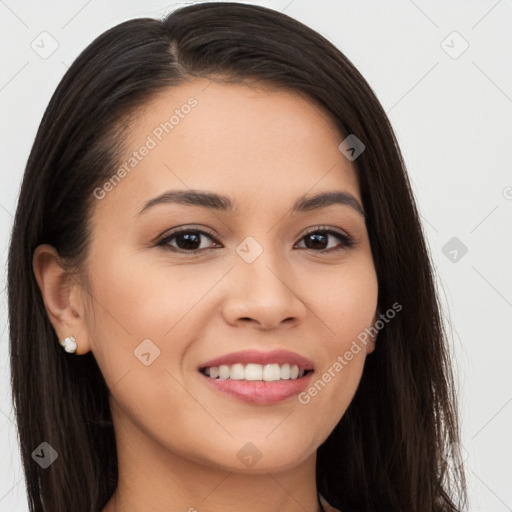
388, 451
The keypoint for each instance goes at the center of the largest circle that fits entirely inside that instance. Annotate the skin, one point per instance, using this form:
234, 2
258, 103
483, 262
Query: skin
177, 439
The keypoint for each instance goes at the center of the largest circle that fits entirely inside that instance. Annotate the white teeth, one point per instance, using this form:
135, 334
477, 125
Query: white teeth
271, 372
223, 372
252, 372
268, 372
237, 372
285, 371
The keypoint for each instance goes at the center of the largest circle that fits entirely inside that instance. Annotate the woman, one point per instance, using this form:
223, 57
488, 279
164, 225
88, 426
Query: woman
217, 226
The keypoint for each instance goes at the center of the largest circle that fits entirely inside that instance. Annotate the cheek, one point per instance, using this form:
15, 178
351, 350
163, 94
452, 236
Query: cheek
140, 299
348, 310
135, 313
349, 303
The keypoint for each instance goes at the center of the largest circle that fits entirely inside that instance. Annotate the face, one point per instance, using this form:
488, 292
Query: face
260, 276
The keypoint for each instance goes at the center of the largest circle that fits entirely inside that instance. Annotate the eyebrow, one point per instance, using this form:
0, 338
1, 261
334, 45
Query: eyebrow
223, 203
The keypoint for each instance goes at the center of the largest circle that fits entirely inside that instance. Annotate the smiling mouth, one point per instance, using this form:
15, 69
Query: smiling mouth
255, 372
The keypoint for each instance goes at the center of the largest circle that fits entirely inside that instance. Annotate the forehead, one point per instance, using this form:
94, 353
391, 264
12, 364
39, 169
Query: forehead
243, 141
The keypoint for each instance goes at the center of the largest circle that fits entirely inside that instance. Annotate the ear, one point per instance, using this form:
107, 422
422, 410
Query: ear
370, 347
62, 296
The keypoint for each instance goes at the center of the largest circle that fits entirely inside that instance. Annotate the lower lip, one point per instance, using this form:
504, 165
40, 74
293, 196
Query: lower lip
259, 391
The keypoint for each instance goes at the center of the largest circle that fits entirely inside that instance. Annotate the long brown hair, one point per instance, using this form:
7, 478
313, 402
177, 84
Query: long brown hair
388, 450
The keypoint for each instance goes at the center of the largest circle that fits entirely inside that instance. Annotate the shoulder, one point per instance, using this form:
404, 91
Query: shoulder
327, 506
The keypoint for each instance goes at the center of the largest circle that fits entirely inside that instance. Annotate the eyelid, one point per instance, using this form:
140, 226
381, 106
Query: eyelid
186, 227
331, 229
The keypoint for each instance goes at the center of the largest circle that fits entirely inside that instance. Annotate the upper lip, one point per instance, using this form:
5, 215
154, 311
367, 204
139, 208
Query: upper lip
255, 356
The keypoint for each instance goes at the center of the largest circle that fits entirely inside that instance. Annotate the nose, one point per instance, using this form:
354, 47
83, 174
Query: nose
264, 292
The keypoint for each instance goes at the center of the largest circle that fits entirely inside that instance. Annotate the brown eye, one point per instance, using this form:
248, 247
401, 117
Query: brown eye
186, 240
318, 240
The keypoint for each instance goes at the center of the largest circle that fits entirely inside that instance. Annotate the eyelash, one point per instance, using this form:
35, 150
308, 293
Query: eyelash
346, 240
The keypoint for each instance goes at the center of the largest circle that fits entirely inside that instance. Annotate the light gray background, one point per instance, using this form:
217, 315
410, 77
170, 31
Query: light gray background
452, 114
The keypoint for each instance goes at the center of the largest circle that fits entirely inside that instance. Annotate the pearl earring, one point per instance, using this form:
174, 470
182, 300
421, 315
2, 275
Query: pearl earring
69, 344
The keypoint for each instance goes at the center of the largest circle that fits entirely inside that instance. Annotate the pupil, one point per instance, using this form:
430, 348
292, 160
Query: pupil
189, 239
315, 237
